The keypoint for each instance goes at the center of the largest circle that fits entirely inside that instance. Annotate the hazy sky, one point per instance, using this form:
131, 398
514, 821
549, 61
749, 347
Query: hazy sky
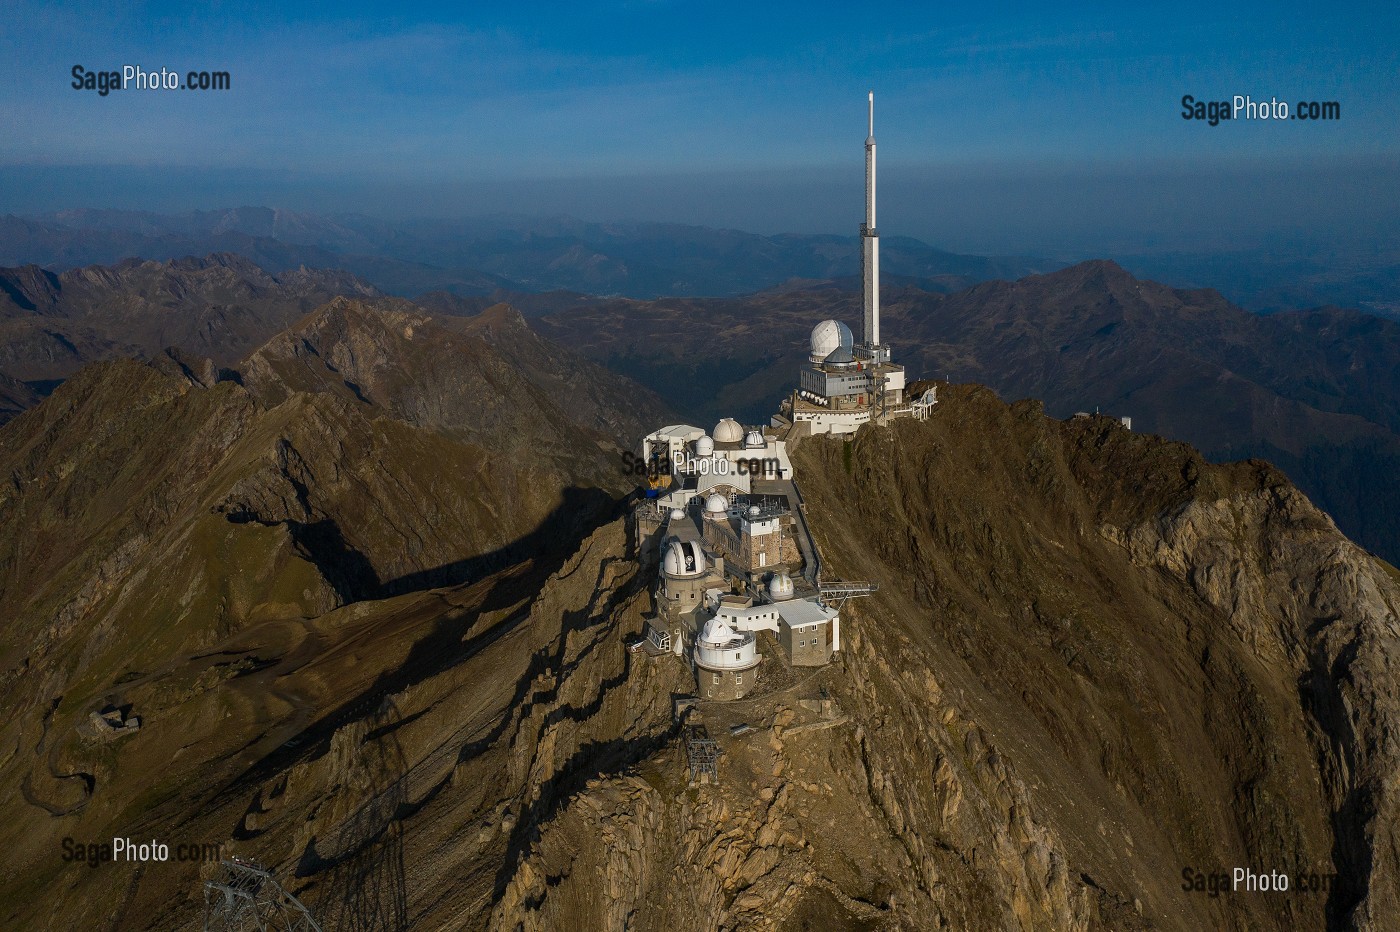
999, 128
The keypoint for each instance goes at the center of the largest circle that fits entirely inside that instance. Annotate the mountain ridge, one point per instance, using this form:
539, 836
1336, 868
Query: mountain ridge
498, 254
219, 305
487, 256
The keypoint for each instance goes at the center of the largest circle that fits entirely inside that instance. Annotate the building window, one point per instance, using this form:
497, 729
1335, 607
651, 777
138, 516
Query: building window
801, 643
716, 679
738, 679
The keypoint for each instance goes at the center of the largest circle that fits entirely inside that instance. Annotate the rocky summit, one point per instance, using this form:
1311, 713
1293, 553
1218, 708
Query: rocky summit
357, 607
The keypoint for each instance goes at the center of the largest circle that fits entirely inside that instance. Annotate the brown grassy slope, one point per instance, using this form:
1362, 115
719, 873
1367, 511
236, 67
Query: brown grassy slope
151, 514
385, 760
1177, 664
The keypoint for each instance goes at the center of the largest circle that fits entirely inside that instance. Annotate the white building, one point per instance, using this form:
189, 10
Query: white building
692, 465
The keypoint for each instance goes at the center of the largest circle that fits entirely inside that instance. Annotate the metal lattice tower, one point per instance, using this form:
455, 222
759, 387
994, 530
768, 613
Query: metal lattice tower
702, 753
247, 898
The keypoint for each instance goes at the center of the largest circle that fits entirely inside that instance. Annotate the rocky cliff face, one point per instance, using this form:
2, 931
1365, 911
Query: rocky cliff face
1095, 661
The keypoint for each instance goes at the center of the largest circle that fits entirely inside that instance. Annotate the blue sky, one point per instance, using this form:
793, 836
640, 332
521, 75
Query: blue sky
681, 111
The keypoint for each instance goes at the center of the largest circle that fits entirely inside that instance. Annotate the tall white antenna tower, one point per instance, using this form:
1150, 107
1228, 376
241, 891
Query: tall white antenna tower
870, 241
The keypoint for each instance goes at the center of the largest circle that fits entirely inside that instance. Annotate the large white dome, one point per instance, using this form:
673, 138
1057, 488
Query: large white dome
728, 431
683, 558
716, 504
827, 336
780, 587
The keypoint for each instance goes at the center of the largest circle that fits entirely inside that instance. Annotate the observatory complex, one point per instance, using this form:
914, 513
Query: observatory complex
723, 519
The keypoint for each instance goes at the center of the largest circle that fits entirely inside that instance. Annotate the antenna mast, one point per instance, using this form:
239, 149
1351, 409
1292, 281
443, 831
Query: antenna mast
870, 244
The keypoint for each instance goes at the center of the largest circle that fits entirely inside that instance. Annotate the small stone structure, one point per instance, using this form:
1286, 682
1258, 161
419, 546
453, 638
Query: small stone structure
112, 722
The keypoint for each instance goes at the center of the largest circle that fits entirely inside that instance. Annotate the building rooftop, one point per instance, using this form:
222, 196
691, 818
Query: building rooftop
802, 612
682, 432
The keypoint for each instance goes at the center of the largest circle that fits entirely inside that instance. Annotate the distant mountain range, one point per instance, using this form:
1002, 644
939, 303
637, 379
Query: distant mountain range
507, 258
1362, 273
490, 255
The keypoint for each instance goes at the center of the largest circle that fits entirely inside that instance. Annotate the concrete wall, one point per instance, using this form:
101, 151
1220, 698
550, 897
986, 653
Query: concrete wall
725, 685
683, 594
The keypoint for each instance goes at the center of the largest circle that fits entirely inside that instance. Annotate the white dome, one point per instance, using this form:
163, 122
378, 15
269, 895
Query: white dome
827, 336
677, 514
755, 441
728, 431
716, 505
780, 587
721, 647
754, 510
684, 558
704, 447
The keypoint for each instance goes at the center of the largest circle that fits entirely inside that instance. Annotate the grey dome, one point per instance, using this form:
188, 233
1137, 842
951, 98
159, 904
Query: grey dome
840, 356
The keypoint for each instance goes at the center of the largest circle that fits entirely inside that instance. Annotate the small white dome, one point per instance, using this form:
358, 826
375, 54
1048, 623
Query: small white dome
755, 441
728, 431
828, 336
754, 510
684, 558
780, 587
716, 504
704, 447
718, 631
677, 514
